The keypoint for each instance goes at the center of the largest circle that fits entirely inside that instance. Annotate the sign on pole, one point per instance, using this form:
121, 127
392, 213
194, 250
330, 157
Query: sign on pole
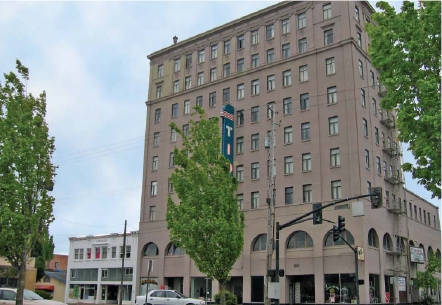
150, 266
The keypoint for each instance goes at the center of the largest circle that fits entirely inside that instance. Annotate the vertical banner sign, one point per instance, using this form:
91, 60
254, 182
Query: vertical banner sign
227, 115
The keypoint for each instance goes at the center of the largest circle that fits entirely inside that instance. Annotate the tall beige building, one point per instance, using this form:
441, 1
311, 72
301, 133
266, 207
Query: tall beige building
309, 61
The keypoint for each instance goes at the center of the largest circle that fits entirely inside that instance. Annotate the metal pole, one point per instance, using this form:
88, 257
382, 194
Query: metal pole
357, 276
147, 284
122, 264
277, 259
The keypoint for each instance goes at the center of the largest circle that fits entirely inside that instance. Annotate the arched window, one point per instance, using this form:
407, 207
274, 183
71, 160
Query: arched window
438, 253
400, 245
260, 243
150, 249
387, 242
346, 235
411, 243
299, 239
430, 251
174, 250
423, 250
373, 240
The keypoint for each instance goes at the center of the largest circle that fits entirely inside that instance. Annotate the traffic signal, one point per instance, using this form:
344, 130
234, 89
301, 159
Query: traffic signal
341, 223
376, 197
335, 233
317, 216
281, 273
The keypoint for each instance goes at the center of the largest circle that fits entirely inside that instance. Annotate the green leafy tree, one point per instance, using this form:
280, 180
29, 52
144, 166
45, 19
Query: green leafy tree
26, 172
43, 252
406, 48
207, 223
427, 279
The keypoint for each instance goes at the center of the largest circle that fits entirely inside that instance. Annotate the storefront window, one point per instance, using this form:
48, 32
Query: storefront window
340, 288
303, 289
374, 288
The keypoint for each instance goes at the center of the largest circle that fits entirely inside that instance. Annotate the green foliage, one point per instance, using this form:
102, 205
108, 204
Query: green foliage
44, 294
427, 279
207, 223
26, 171
43, 252
406, 49
230, 298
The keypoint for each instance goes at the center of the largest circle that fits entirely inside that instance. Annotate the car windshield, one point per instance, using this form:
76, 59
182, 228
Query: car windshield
181, 295
30, 295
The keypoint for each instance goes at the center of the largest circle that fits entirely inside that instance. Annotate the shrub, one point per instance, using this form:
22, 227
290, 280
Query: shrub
230, 298
44, 294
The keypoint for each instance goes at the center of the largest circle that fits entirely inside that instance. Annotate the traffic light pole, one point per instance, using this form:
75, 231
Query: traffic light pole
298, 220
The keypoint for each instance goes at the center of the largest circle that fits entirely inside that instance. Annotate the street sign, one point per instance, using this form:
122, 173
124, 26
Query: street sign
150, 266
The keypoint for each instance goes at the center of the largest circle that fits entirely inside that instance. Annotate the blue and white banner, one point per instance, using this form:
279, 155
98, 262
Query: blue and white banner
227, 133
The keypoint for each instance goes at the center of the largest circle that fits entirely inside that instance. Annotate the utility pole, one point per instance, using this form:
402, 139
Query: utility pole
270, 144
120, 302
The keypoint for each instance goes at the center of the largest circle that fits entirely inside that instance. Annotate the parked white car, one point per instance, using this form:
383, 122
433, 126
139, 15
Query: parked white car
166, 297
7, 297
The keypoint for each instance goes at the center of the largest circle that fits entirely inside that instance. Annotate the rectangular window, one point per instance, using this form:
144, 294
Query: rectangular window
201, 56
240, 201
169, 186
306, 162
270, 109
302, 45
369, 189
155, 163
372, 79
160, 71
157, 115
365, 127
255, 200
307, 195
374, 107
288, 135
303, 73
214, 51
199, 101
186, 107
240, 173
327, 11
287, 78
384, 168
171, 160
288, 165
361, 68
187, 83
286, 50
270, 55
226, 70
156, 139
255, 87
302, 21
255, 141
287, 105
226, 95
188, 60
270, 31
289, 195
213, 74
378, 166
285, 26
255, 114
336, 189
335, 157
176, 86
240, 42
333, 125
104, 252
200, 79
328, 37
332, 95
175, 110
240, 118
271, 83
255, 170
177, 65
255, 37
152, 213
305, 131
226, 46
357, 14
363, 98
240, 91
255, 60
330, 66
240, 65
359, 39
88, 253
76, 255
420, 214
304, 101
159, 92
367, 159
186, 128
113, 252
212, 99
240, 145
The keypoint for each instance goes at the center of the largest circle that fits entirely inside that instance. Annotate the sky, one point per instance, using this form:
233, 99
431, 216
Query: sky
90, 58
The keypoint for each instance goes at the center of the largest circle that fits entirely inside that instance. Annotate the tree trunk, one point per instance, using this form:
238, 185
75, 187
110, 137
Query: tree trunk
21, 269
222, 293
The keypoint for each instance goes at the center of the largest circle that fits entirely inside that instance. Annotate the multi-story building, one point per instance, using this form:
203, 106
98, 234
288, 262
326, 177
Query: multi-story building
95, 267
309, 62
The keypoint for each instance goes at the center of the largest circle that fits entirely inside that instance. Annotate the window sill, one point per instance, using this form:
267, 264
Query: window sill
290, 113
288, 174
157, 122
333, 135
331, 74
240, 99
331, 104
253, 150
305, 140
286, 86
254, 179
307, 171
304, 110
255, 122
304, 81
336, 166
286, 144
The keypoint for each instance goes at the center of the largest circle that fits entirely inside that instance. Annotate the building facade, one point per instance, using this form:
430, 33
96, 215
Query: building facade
95, 265
309, 62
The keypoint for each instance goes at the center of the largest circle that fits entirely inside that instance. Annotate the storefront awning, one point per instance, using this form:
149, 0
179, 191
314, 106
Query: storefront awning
44, 287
